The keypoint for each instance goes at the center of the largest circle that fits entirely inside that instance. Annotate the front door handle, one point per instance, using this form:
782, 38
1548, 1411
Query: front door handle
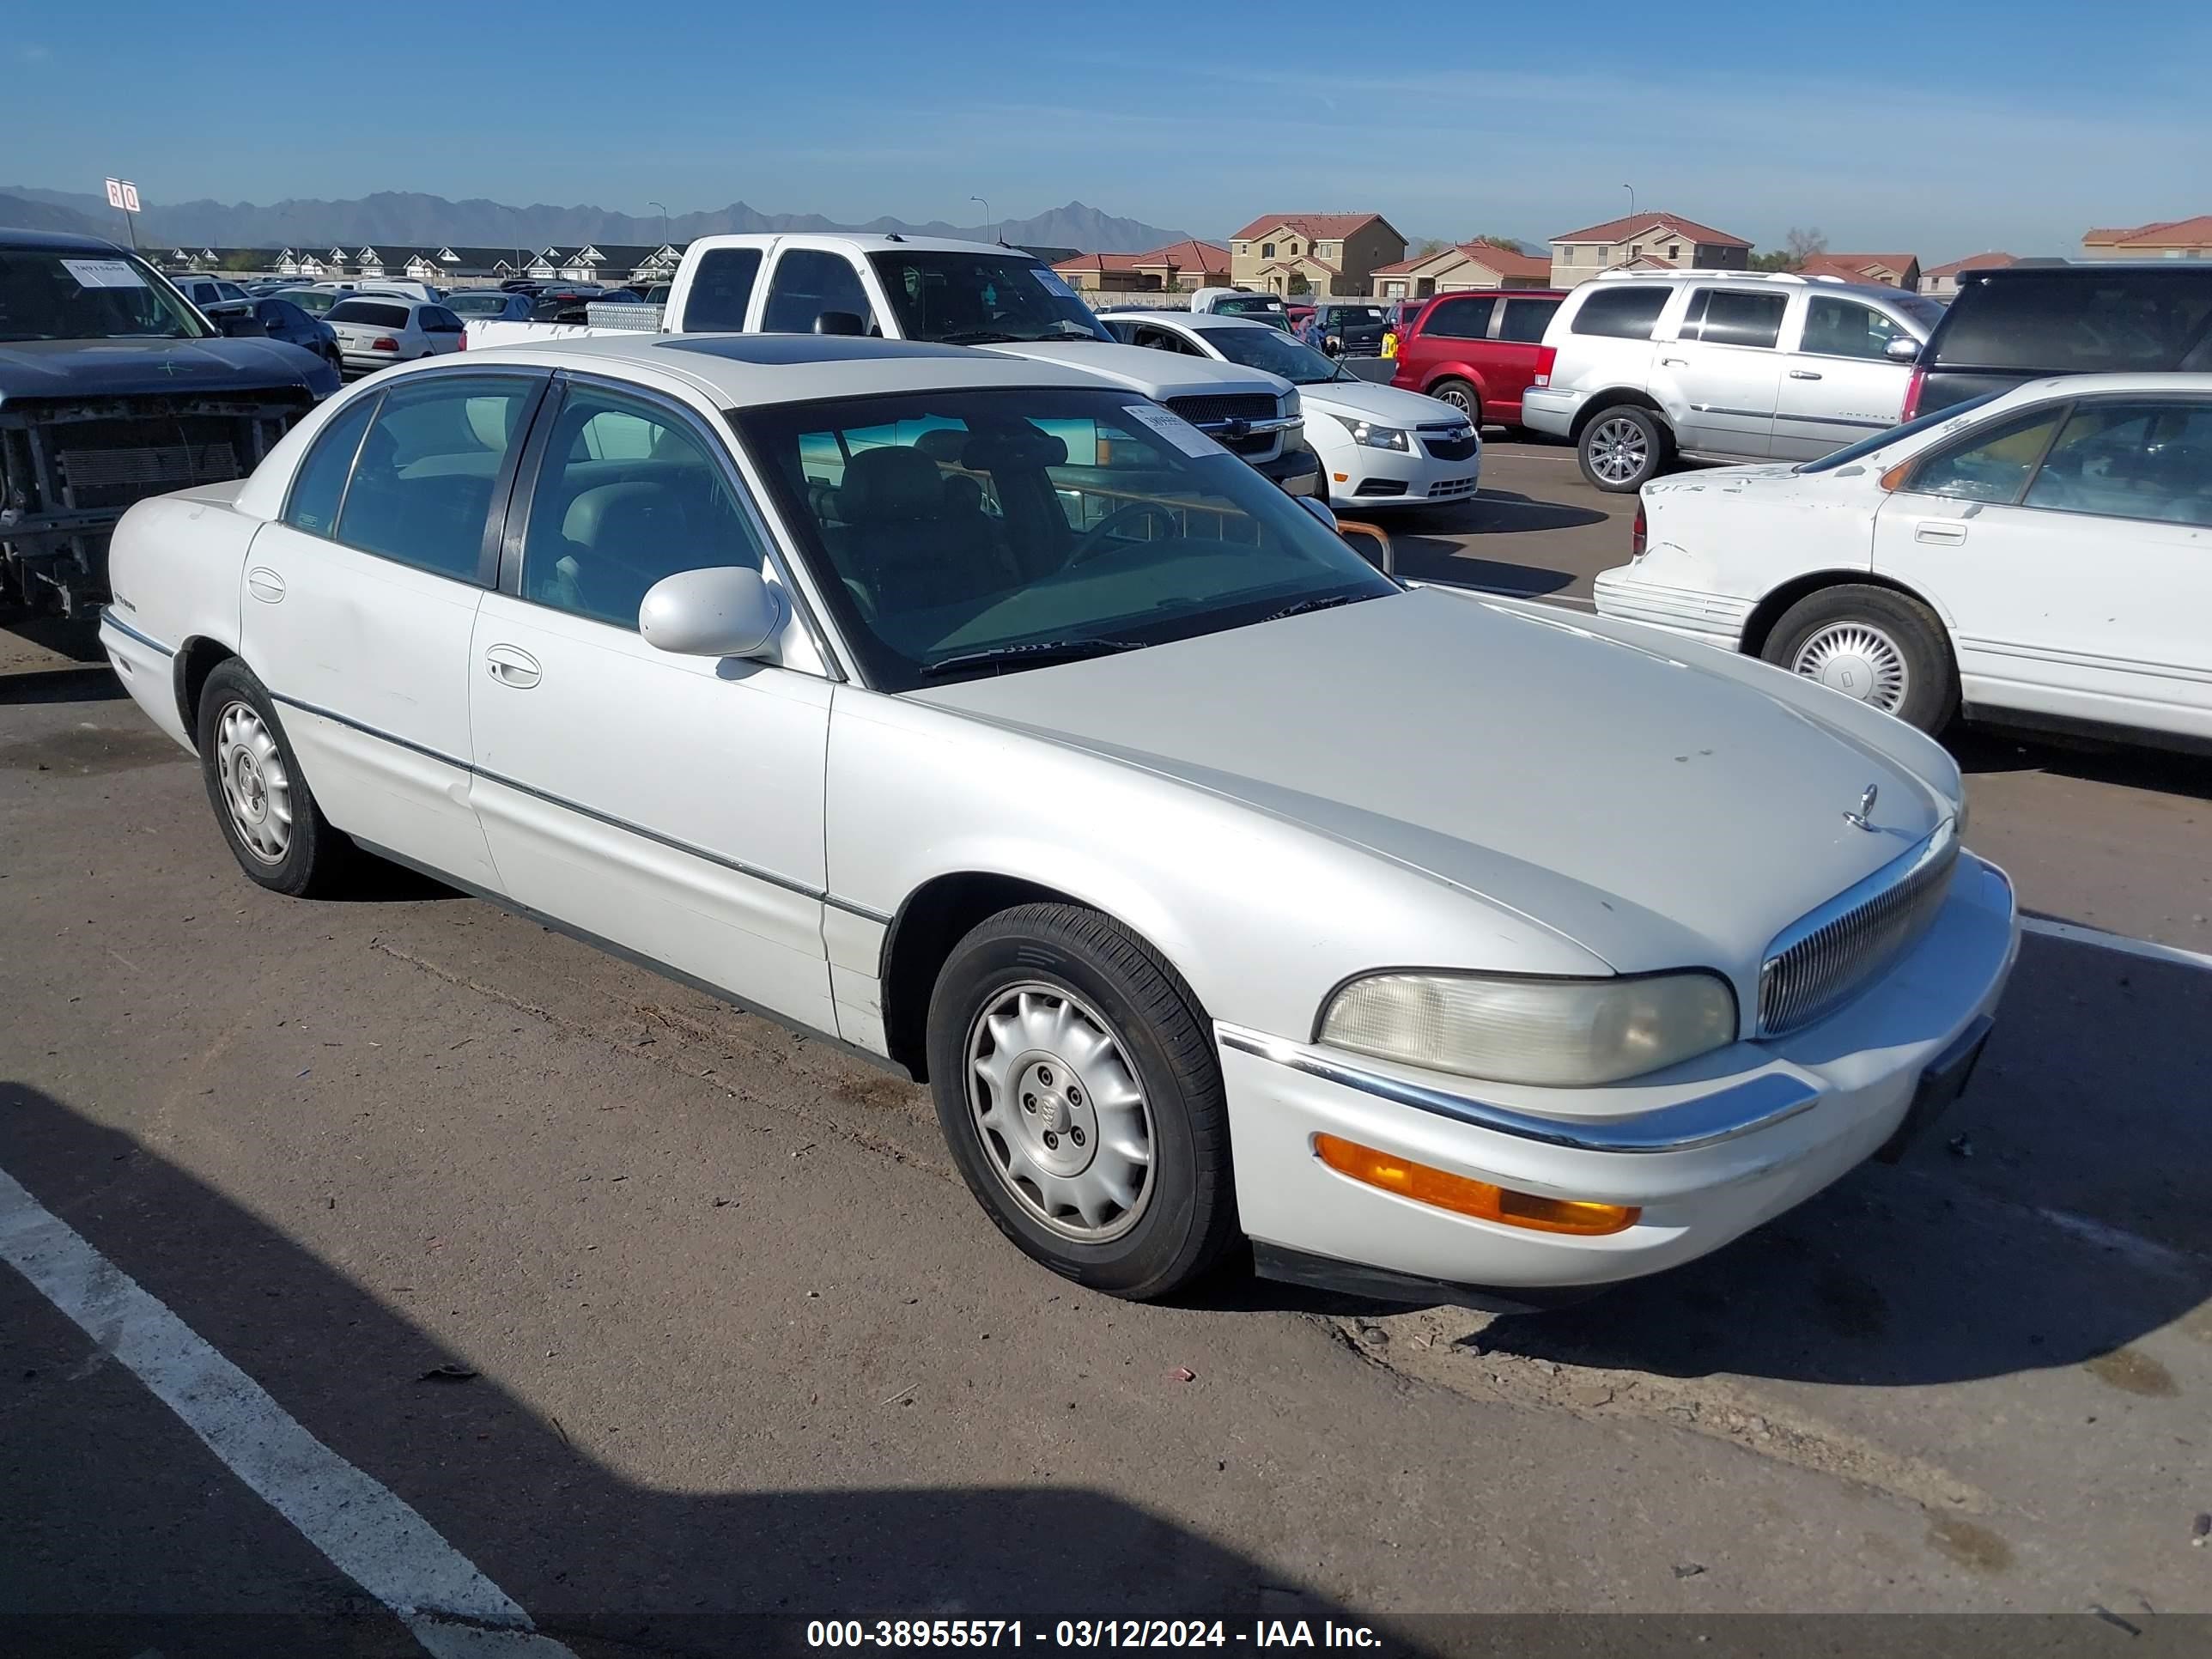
1674, 362
1804, 374
264, 584
512, 667
1940, 532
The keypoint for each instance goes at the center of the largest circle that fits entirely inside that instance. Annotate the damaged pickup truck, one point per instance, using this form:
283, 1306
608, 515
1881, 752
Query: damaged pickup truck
112, 388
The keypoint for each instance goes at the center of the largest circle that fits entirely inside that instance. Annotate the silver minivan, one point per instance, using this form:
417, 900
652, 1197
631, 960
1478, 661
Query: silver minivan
1641, 368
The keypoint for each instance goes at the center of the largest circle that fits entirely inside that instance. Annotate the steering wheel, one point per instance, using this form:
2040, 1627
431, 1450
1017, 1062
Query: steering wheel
1094, 539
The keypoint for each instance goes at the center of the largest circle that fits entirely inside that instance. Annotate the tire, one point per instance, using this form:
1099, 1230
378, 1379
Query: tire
1874, 643
253, 781
1623, 447
1462, 396
1028, 996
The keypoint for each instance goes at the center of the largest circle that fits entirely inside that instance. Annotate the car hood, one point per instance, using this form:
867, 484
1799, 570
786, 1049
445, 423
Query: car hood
1384, 404
1157, 374
109, 369
1652, 808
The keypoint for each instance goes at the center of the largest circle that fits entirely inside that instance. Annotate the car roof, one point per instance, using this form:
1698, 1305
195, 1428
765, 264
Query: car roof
1784, 280
860, 242
743, 370
59, 241
2162, 381
1201, 320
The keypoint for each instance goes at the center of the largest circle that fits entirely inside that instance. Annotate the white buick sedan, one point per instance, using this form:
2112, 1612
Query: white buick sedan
2044, 556
1002, 726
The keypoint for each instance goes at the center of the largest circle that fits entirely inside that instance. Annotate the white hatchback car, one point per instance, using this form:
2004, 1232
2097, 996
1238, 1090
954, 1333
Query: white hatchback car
2045, 554
376, 331
1379, 446
1640, 367
997, 723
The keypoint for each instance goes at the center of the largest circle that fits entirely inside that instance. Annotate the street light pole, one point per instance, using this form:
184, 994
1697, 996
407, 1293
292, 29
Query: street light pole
1630, 189
989, 223
664, 222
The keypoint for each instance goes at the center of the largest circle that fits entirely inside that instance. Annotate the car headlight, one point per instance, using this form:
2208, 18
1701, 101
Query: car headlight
1293, 408
1375, 437
1560, 1032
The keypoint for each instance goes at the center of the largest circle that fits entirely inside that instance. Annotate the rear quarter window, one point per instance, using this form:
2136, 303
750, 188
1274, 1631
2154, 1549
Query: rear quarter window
2077, 322
1620, 314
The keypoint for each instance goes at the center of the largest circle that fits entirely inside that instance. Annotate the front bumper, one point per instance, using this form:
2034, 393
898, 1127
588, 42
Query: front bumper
1362, 476
1755, 1129
1548, 410
1297, 470
1715, 618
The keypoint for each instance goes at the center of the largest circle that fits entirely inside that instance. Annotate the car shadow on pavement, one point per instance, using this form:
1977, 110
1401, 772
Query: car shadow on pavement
1991, 749
2051, 1218
90, 684
115, 1506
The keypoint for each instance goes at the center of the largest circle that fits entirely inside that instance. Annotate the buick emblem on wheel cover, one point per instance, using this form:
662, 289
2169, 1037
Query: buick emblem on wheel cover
1866, 805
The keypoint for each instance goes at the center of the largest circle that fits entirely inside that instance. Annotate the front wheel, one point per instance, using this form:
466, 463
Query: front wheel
1875, 644
1078, 1091
1622, 448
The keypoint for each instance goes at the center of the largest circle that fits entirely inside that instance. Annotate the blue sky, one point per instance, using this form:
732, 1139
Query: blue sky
1939, 128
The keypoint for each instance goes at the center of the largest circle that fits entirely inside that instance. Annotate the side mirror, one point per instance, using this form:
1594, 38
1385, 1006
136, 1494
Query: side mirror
1902, 348
275, 326
1319, 509
838, 322
724, 611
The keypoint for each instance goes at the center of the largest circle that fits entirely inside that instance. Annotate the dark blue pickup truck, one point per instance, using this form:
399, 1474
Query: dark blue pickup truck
112, 388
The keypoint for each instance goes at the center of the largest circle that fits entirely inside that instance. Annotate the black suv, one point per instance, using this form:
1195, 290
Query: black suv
2021, 322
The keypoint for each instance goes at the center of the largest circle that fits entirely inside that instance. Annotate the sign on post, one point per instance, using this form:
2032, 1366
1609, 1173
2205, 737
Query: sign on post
123, 196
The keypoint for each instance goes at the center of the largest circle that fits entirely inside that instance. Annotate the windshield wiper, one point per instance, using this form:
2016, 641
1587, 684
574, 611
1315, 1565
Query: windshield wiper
1034, 654
1325, 602
978, 337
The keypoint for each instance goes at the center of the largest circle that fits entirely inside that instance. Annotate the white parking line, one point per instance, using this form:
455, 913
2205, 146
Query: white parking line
2150, 950
367, 1533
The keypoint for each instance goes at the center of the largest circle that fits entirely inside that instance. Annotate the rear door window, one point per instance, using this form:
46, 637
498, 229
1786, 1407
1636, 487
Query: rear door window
1460, 319
1990, 466
1523, 321
422, 483
2080, 323
721, 289
1620, 314
808, 282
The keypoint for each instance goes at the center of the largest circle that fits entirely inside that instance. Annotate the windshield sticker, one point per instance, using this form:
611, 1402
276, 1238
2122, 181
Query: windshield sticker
103, 273
1175, 429
1051, 282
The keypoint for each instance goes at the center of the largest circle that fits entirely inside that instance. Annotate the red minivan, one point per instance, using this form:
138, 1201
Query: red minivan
1478, 351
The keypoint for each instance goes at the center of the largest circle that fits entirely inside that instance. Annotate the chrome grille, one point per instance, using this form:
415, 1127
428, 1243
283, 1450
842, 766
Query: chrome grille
1205, 411
1827, 958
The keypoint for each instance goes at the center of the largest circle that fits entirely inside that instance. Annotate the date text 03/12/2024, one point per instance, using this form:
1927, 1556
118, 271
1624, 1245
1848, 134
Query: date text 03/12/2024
1085, 1633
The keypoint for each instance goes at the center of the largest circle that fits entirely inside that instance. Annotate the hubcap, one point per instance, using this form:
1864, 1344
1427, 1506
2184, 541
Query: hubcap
1457, 397
255, 785
1859, 660
1618, 451
1063, 1121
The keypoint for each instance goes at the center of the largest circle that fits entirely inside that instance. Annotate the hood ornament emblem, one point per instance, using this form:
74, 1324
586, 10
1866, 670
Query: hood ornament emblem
1866, 805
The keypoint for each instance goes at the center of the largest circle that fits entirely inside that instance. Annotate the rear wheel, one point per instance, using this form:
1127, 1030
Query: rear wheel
1078, 1091
1622, 448
1875, 644
268, 815
1462, 396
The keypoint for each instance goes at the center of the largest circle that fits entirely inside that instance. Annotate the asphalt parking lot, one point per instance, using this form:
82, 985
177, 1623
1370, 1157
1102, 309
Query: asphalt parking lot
673, 1331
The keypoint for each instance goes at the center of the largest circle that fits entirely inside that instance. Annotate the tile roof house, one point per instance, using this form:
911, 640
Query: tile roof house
1666, 239
2164, 239
1321, 253
1942, 281
1889, 270
1469, 265
1177, 268
1104, 273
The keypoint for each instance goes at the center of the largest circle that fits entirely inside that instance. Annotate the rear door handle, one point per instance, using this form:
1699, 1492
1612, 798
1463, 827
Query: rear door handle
1804, 374
1940, 532
1674, 362
264, 585
512, 667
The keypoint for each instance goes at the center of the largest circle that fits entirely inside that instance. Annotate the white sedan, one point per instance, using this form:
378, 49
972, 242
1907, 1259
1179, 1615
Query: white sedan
998, 725
2043, 555
1379, 446
376, 330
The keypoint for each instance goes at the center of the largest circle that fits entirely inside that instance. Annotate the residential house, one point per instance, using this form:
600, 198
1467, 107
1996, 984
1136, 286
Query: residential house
1454, 269
1664, 241
1885, 270
1179, 267
612, 264
448, 266
1942, 281
229, 260
1330, 254
2166, 238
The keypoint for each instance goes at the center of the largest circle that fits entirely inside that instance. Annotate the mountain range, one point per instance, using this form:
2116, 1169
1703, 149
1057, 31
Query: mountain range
407, 218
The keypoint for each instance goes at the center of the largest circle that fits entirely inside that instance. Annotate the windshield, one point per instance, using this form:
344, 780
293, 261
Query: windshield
958, 534
981, 299
1275, 352
59, 294
1249, 305
1341, 315
1866, 447
484, 302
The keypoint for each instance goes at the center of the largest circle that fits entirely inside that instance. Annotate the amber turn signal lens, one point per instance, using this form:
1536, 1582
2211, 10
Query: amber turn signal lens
1476, 1198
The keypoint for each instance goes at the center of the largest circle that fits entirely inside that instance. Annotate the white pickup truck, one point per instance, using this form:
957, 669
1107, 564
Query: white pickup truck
963, 294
